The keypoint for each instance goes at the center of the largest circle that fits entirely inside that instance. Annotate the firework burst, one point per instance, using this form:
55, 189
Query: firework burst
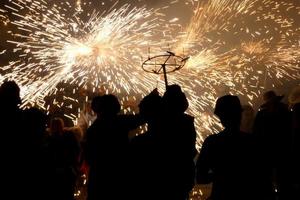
54, 48
234, 47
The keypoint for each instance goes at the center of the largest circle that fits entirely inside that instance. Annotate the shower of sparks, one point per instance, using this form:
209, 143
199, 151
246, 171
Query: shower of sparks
58, 49
254, 48
238, 47
213, 15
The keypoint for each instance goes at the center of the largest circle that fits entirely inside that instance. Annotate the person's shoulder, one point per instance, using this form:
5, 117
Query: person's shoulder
214, 138
94, 126
189, 117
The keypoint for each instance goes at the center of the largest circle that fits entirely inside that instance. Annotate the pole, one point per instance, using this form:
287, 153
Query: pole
165, 75
165, 71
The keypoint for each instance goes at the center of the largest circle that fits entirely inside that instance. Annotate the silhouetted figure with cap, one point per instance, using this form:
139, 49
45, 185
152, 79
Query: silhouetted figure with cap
273, 132
106, 149
229, 160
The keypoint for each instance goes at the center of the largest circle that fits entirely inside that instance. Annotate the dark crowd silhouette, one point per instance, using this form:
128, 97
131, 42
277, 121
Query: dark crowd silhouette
255, 156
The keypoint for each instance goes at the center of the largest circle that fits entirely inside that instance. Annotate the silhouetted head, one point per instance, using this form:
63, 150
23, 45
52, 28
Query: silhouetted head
150, 106
174, 100
57, 126
271, 96
10, 94
106, 105
228, 108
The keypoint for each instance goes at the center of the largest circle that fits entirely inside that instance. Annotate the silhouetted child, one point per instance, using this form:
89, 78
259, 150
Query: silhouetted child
273, 132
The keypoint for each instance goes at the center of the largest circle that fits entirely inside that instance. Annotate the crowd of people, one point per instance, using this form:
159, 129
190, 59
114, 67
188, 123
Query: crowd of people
254, 157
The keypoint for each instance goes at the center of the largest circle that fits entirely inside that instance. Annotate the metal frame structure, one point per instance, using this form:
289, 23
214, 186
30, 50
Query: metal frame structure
170, 64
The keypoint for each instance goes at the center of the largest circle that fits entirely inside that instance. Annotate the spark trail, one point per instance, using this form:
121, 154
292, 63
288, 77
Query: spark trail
240, 47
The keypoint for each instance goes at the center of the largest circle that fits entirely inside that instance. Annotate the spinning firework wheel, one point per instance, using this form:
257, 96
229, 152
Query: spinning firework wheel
164, 64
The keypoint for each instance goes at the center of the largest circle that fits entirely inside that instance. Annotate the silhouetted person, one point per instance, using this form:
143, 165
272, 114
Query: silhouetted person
11, 138
106, 149
144, 165
10, 114
64, 152
176, 141
295, 169
36, 160
272, 129
229, 159
10, 96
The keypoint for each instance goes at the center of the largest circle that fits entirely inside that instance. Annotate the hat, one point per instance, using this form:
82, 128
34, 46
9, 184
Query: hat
271, 96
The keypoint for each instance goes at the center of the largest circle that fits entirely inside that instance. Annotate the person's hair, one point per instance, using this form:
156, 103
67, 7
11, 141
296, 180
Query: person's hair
174, 99
10, 93
150, 105
106, 105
